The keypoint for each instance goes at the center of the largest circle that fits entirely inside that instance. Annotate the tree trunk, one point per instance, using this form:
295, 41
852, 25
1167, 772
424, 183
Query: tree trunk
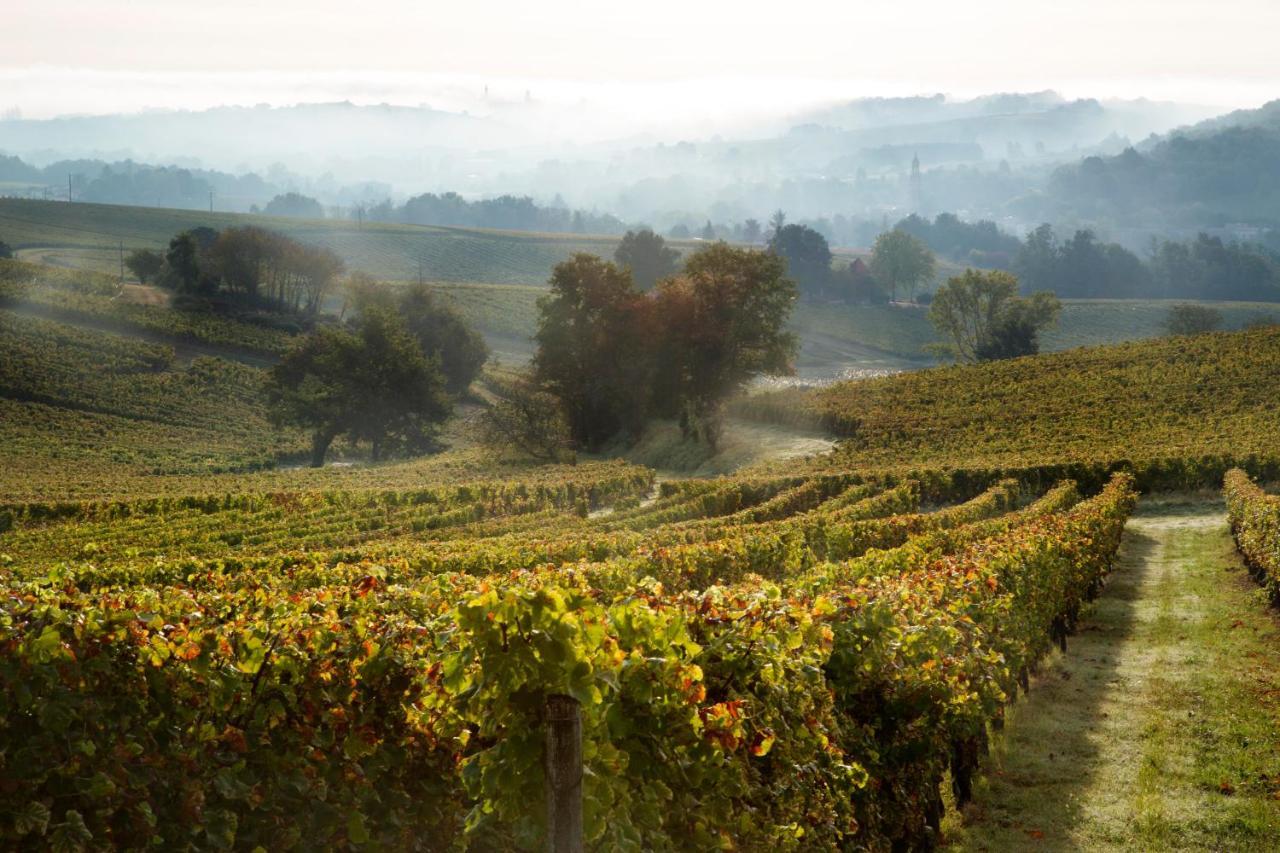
320, 442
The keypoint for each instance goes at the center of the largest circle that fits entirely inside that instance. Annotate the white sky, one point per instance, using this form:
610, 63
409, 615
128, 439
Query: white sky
59, 56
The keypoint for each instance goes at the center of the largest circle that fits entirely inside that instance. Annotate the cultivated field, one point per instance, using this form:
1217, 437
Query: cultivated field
85, 235
495, 278
206, 646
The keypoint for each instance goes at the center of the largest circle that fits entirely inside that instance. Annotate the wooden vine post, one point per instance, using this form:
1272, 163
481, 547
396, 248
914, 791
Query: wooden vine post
563, 768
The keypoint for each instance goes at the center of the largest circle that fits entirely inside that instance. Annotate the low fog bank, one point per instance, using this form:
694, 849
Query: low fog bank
846, 165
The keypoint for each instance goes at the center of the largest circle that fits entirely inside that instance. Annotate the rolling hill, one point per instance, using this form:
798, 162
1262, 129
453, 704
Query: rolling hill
759, 629
1179, 409
89, 235
495, 278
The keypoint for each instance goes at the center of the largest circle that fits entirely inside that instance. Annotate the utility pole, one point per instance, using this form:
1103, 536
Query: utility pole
69, 199
122, 262
419, 269
211, 201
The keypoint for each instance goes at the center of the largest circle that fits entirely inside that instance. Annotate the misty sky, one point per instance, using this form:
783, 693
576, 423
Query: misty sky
64, 56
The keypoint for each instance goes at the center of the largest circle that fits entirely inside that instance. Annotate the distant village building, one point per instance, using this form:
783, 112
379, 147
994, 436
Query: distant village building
916, 203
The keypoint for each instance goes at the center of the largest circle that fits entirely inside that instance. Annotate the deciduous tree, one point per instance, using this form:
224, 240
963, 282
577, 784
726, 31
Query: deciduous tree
807, 255
723, 323
295, 205
529, 420
145, 264
373, 383
647, 256
1188, 319
182, 263
443, 334
984, 318
901, 263
592, 349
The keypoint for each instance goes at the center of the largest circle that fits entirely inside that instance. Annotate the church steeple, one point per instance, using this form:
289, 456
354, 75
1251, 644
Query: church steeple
917, 189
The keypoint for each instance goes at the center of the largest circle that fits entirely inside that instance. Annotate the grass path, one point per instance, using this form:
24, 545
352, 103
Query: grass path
1159, 729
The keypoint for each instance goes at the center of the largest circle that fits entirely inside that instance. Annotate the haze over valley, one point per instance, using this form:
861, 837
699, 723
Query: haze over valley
581, 427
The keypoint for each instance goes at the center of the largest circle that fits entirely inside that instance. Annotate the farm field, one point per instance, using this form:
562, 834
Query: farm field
822, 645
379, 639
143, 399
853, 519
495, 278
650, 615
99, 302
903, 331
1167, 406
87, 236
856, 518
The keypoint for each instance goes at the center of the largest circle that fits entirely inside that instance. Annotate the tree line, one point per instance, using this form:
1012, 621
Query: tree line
610, 357
1204, 268
1191, 179
139, 184
899, 265
982, 244
902, 261
506, 212
254, 265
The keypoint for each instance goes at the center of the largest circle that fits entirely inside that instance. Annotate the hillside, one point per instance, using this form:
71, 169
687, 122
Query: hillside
897, 335
1181, 399
1221, 172
88, 235
365, 636
495, 278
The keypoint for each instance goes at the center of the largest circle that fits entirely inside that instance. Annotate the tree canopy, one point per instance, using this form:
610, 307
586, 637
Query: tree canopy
983, 318
1081, 267
591, 353
439, 329
263, 267
855, 283
1189, 319
145, 264
182, 263
613, 356
647, 256
981, 243
901, 263
504, 212
371, 384
807, 255
723, 323
1203, 268
295, 205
